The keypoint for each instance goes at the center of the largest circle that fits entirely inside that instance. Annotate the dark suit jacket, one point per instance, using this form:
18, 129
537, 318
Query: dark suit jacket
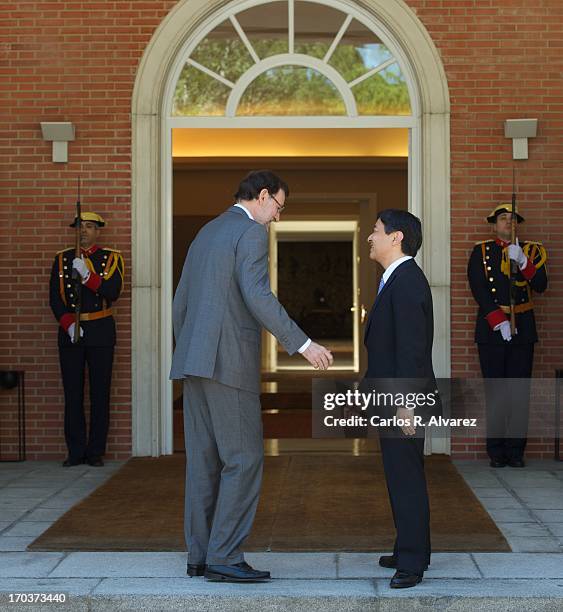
400, 331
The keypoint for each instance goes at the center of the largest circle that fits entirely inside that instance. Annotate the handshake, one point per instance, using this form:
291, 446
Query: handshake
318, 356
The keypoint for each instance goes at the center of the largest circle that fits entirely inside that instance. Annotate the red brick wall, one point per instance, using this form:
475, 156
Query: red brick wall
64, 61
502, 59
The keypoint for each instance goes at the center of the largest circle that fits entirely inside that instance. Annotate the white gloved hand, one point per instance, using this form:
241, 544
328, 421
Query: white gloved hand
516, 253
80, 266
504, 329
70, 331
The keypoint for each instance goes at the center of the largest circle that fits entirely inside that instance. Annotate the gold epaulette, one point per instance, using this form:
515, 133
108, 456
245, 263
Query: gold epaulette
483, 242
535, 251
114, 262
112, 250
63, 250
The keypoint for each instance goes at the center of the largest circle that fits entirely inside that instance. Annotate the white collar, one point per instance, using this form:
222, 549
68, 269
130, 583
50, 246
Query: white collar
239, 205
392, 267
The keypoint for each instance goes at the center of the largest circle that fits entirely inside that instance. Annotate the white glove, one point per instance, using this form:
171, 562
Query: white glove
70, 331
504, 329
516, 253
80, 265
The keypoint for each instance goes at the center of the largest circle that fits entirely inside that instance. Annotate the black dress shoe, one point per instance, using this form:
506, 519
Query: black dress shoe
497, 463
195, 569
240, 572
95, 461
404, 580
517, 463
72, 461
388, 561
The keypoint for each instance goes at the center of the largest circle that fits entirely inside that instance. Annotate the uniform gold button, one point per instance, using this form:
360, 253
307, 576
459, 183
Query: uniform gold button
68, 285
489, 268
493, 289
488, 248
487, 257
491, 279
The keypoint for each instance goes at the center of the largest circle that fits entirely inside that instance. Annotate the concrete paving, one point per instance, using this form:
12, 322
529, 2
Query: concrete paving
526, 504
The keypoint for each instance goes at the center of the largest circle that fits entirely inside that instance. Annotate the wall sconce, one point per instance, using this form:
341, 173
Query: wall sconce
59, 133
520, 130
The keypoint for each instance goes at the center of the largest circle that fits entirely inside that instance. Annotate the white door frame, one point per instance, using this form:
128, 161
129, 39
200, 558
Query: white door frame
429, 190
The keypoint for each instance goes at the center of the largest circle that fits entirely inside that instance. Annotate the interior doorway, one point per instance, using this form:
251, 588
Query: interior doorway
319, 268
314, 271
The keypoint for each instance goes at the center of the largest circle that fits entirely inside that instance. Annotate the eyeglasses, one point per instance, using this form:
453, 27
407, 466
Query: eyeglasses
280, 207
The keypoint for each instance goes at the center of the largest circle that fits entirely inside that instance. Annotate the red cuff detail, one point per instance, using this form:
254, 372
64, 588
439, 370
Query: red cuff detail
66, 321
93, 282
529, 271
495, 317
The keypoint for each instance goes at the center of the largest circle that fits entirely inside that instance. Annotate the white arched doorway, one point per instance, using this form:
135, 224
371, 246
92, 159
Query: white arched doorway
170, 50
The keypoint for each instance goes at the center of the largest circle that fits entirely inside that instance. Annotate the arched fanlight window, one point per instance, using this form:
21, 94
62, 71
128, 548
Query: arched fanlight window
291, 58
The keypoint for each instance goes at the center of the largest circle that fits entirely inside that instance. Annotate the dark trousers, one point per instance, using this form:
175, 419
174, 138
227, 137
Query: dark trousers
507, 401
403, 462
73, 360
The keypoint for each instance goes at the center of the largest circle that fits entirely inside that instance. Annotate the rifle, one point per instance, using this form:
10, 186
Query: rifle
75, 275
513, 264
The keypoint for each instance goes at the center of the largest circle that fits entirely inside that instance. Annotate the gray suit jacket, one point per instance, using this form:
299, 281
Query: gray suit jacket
222, 301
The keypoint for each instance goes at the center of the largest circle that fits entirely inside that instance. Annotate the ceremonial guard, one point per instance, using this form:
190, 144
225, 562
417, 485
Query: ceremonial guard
98, 282
505, 351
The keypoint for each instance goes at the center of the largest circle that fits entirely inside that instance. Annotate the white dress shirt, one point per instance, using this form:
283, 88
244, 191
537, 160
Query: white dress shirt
308, 342
392, 267
239, 205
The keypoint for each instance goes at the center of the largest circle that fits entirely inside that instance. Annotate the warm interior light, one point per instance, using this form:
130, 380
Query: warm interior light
277, 142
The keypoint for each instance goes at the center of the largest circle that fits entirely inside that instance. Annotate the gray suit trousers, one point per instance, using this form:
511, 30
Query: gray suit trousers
224, 458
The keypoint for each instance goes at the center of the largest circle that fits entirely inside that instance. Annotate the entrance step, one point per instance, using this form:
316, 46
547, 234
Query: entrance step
176, 594
339, 582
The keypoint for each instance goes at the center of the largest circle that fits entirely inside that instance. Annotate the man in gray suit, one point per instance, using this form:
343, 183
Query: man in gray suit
222, 301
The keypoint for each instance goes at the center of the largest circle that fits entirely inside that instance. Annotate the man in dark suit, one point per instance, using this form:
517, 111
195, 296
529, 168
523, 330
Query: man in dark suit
398, 338
506, 360
222, 302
